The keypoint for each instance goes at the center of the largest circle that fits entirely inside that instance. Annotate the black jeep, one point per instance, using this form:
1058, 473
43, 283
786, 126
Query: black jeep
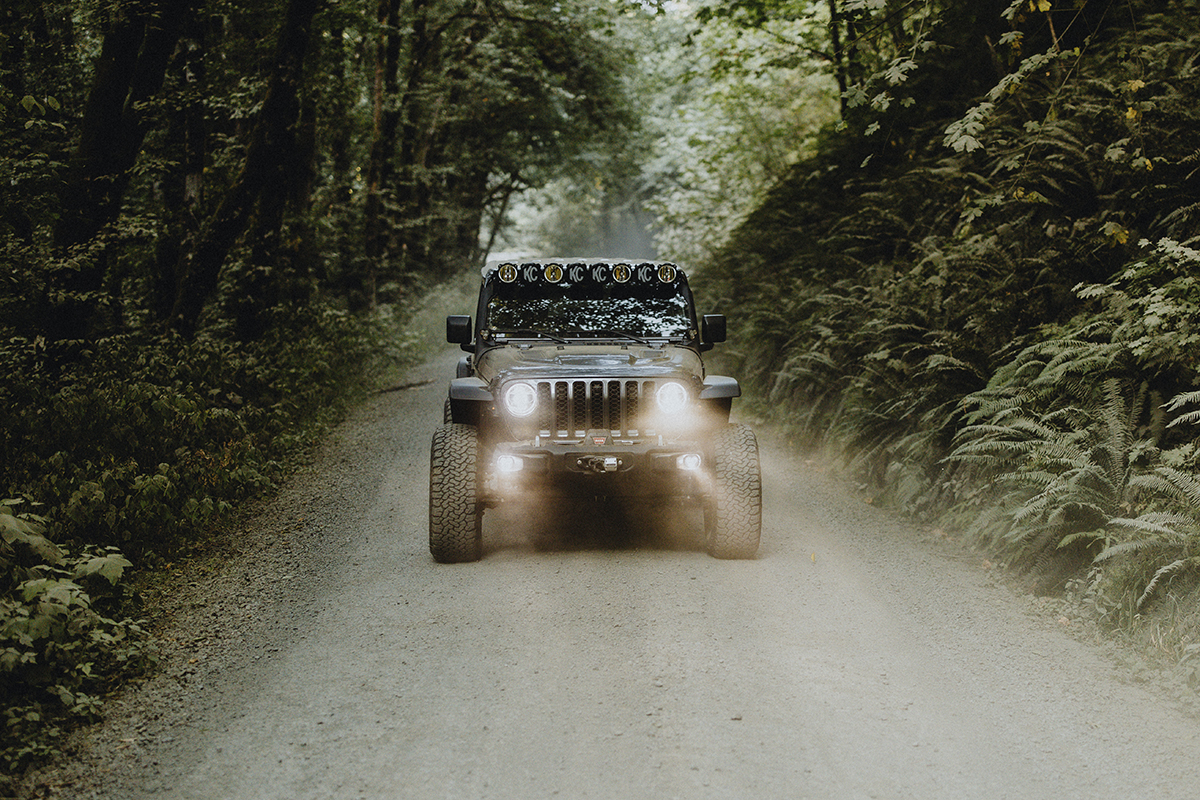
585, 379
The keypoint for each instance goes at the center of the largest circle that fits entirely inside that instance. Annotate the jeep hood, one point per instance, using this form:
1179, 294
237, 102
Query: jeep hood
566, 362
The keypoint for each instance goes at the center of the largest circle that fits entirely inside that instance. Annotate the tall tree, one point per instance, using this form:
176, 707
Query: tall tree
129, 71
186, 151
385, 121
272, 145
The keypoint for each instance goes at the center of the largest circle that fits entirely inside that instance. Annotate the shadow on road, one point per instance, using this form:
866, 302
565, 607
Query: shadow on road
569, 525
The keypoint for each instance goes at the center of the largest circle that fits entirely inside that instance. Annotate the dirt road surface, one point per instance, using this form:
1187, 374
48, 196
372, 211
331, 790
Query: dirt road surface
328, 656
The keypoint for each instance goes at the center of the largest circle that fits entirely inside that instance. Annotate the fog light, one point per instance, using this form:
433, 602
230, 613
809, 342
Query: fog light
509, 464
689, 462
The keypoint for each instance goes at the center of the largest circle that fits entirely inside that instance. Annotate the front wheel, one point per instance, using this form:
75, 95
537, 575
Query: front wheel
455, 516
733, 510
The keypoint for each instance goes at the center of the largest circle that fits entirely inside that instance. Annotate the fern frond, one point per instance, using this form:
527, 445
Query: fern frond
1162, 572
1169, 518
1035, 478
988, 403
1189, 418
1170, 482
1082, 536
1064, 453
1127, 548
1145, 525
1180, 400
939, 362
1071, 417
983, 439
1075, 370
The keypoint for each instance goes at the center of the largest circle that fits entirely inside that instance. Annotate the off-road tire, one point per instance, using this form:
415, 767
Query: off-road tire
733, 511
455, 516
447, 414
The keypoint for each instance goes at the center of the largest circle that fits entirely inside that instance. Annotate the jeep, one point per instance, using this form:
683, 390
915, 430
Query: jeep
585, 379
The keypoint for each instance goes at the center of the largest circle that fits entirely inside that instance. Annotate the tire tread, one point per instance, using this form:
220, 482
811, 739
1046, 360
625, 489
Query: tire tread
455, 518
733, 515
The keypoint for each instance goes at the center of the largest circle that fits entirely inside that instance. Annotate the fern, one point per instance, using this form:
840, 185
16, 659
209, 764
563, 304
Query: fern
1167, 482
1178, 565
1181, 401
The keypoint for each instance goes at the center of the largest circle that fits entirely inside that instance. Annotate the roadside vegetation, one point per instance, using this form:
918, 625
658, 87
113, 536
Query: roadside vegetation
981, 292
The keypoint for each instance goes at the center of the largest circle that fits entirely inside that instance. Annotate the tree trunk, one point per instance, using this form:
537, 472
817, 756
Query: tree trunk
183, 185
383, 146
280, 267
345, 246
839, 55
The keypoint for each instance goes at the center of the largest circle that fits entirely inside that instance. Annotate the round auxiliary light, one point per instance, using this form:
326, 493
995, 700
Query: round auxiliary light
689, 462
507, 272
666, 273
553, 273
621, 273
672, 398
520, 399
509, 463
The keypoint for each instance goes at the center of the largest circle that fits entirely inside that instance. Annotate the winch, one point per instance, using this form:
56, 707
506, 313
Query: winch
599, 464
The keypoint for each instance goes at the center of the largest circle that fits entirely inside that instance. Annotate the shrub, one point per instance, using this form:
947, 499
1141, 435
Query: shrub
60, 651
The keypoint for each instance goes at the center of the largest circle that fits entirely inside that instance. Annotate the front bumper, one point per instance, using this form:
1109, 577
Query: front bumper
595, 466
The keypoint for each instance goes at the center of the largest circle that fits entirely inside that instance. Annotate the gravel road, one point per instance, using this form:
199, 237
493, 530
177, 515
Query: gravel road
327, 656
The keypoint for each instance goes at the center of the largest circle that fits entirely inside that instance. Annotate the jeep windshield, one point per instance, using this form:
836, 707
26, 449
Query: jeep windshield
590, 308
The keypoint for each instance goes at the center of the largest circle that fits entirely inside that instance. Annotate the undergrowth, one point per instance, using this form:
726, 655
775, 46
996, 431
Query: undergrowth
120, 455
1000, 335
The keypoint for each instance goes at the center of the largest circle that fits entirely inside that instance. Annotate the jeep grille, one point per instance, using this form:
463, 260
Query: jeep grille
569, 409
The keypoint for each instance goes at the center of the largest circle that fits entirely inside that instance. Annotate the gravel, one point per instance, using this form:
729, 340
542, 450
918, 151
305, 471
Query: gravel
599, 653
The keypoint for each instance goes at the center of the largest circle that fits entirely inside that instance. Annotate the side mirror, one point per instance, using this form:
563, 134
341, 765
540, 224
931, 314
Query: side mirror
458, 329
712, 329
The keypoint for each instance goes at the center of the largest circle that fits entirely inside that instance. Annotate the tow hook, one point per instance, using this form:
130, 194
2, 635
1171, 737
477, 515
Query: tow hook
598, 464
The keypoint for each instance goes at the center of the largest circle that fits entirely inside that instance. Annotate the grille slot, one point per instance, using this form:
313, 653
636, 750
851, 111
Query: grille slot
568, 409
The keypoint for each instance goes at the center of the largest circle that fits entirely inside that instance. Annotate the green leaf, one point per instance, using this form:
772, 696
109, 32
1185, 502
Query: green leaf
17, 530
109, 567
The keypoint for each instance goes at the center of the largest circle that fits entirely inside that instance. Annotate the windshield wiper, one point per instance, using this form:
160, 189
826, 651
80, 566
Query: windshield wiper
527, 333
612, 333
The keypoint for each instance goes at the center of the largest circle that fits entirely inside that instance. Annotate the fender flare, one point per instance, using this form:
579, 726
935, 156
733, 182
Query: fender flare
468, 398
717, 387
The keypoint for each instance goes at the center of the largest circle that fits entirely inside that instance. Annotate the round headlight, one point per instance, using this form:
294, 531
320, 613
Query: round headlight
520, 399
672, 398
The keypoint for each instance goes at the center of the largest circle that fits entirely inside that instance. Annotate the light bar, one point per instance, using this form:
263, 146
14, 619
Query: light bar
578, 272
